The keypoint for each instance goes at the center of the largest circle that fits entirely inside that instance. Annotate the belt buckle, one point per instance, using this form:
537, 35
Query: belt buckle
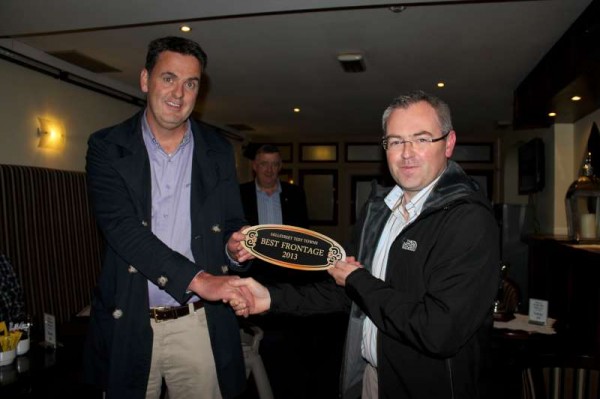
156, 312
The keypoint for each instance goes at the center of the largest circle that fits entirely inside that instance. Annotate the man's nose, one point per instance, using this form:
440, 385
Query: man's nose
407, 149
178, 91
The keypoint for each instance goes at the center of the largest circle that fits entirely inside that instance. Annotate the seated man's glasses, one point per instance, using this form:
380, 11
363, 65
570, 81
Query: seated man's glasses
393, 143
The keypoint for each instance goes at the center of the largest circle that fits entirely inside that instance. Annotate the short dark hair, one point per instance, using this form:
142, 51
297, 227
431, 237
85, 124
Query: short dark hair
176, 45
405, 100
266, 149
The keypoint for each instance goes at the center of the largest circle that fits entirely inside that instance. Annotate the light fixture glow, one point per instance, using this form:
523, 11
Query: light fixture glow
296, 110
552, 114
185, 28
576, 98
441, 84
352, 62
51, 134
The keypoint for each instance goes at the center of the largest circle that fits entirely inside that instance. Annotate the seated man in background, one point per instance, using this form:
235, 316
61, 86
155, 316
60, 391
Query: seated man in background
267, 200
290, 341
12, 305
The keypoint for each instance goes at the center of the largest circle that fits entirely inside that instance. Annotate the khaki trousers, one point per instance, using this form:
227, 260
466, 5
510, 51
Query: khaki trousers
370, 389
182, 355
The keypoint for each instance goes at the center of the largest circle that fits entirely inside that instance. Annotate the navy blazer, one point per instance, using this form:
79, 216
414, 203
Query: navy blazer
119, 344
293, 204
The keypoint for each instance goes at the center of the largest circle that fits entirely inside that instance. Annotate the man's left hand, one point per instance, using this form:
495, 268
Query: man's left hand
342, 269
235, 249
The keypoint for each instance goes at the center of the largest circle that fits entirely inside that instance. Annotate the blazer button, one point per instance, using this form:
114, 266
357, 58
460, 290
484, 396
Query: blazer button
216, 228
117, 314
144, 223
225, 269
132, 269
162, 281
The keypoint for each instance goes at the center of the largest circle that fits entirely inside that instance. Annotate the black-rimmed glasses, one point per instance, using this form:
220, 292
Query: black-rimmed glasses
394, 142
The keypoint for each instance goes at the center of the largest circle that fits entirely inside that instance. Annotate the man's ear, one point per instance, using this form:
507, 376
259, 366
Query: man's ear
450, 143
144, 80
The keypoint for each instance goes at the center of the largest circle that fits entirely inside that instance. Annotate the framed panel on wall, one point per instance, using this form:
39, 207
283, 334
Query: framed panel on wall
474, 152
286, 175
485, 179
364, 152
361, 186
321, 188
286, 151
319, 152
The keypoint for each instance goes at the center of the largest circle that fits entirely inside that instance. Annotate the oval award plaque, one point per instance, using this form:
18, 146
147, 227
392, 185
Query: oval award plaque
292, 247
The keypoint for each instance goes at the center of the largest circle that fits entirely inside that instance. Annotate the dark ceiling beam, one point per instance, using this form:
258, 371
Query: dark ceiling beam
258, 14
571, 67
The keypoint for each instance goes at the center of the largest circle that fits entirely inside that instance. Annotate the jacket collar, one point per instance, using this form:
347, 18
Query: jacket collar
454, 185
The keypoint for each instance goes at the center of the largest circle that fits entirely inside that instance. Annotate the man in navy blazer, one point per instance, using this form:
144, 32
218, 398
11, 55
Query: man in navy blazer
165, 195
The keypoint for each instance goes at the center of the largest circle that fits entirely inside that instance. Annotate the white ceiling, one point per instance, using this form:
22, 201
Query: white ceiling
267, 57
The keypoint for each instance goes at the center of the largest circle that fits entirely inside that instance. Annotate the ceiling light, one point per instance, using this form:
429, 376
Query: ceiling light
351, 62
575, 98
552, 114
397, 9
296, 110
441, 84
185, 28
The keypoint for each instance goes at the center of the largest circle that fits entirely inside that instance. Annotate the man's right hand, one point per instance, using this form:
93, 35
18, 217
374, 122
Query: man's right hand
217, 288
260, 294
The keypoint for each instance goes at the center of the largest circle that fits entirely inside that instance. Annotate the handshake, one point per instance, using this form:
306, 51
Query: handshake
247, 296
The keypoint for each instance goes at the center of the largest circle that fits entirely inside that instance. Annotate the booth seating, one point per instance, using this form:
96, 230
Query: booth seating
48, 232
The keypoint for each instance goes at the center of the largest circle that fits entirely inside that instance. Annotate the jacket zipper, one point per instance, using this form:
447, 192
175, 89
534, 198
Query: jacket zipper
449, 363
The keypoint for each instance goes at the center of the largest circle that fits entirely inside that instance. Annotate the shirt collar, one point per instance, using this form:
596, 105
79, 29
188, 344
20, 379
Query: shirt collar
259, 189
415, 205
147, 132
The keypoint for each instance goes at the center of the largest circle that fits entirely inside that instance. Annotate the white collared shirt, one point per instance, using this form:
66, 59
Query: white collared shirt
395, 224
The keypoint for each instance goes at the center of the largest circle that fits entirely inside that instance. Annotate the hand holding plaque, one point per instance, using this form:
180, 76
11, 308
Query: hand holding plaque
292, 247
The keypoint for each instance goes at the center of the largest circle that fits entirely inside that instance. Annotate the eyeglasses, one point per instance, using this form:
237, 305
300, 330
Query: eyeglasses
393, 143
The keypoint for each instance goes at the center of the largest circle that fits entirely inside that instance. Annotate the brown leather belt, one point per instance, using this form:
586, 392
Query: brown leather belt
168, 313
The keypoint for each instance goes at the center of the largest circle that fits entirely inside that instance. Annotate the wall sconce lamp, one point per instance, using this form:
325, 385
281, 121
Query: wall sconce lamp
51, 134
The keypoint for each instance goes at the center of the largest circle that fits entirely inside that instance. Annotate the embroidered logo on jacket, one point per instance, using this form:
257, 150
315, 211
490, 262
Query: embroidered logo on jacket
409, 245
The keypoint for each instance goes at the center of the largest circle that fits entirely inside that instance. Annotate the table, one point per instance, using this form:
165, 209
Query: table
520, 324
45, 373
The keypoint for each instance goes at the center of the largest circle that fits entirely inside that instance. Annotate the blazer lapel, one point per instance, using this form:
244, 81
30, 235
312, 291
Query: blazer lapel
205, 169
134, 166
